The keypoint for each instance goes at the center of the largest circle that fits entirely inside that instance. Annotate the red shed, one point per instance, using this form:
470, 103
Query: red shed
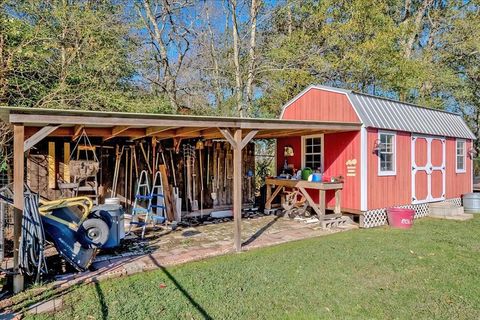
404, 155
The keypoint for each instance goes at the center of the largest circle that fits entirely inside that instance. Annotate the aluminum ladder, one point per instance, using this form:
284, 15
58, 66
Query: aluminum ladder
156, 203
142, 196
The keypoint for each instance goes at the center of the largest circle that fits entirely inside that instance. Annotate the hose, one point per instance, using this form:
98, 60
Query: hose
31, 253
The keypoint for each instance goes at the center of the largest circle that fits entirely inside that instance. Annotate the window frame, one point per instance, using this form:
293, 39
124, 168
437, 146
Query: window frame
322, 149
393, 172
464, 155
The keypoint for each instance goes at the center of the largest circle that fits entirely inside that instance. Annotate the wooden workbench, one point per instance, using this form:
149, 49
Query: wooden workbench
301, 186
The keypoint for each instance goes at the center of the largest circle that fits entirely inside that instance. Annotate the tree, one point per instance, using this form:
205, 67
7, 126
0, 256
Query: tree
461, 53
64, 54
169, 43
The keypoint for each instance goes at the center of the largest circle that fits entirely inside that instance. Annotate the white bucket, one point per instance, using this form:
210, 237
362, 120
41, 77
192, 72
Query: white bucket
112, 201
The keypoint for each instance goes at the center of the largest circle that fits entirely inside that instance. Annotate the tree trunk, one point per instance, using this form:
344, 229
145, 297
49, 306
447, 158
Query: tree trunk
252, 59
216, 69
170, 81
417, 27
289, 19
236, 59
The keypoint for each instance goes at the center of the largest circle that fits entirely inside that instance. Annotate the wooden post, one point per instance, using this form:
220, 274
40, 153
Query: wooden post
66, 161
52, 173
18, 180
237, 189
237, 144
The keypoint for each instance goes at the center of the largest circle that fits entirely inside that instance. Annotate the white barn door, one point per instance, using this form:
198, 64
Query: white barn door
428, 169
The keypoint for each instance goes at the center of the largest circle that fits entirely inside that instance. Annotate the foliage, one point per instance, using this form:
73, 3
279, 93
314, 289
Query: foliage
64, 54
430, 271
163, 56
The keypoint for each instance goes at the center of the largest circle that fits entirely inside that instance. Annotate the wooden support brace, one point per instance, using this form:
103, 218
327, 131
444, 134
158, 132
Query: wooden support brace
38, 136
248, 137
228, 135
320, 213
116, 131
77, 131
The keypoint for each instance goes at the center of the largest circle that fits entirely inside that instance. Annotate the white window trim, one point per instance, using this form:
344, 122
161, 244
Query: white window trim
321, 136
464, 170
394, 171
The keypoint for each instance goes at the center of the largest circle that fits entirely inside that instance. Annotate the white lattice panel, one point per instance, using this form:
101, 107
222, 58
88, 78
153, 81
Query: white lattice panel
378, 217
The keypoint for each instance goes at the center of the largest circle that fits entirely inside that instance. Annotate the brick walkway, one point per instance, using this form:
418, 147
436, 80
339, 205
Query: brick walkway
167, 248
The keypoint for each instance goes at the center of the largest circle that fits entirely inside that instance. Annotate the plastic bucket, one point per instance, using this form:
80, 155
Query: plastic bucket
112, 201
400, 218
471, 202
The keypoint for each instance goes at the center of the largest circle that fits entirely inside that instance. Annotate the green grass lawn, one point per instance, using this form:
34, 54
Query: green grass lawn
431, 271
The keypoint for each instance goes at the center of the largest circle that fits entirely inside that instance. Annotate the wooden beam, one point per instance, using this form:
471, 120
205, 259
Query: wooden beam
151, 131
237, 189
38, 136
247, 138
212, 133
228, 135
187, 131
117, 130
18, 180
91, 132
77, 131
151, 120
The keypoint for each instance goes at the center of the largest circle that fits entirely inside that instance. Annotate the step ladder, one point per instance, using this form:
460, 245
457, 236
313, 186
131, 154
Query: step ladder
153, 201
142, 196
157, 208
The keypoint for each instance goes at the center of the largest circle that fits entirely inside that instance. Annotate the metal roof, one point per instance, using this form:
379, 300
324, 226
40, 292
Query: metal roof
383, 113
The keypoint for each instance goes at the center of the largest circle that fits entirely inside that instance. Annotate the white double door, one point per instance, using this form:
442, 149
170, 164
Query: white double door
428, 168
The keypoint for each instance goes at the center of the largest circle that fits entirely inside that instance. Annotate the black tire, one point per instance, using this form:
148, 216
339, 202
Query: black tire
93, 233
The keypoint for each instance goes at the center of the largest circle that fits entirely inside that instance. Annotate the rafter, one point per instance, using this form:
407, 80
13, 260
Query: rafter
77, 131
187, 131
116, 131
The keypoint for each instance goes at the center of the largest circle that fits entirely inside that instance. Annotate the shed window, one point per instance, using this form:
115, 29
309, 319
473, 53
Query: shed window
460, 155
312, 155
386, 153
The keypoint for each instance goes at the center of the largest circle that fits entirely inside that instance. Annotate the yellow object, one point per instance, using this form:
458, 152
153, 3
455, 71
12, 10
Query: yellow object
84, 203
52, 174
66, 161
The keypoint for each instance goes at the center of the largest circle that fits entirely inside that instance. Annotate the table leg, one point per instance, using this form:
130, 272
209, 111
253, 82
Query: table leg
338, 200
268, 204
322, 202
318, 211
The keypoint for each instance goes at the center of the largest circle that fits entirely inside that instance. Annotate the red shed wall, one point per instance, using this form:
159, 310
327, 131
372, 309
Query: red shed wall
296, 160
322, 105
387, 191
457, 183
338, 148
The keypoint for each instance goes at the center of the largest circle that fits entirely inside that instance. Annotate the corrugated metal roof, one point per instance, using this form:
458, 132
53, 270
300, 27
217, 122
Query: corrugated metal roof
390, 114
394, 115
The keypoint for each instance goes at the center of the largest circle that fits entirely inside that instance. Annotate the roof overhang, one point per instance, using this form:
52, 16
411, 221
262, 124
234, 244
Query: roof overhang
137, 125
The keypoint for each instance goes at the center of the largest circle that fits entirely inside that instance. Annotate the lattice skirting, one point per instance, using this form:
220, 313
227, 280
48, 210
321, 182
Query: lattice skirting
378, 217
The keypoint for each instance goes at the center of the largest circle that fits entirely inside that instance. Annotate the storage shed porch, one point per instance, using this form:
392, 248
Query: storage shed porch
31, 126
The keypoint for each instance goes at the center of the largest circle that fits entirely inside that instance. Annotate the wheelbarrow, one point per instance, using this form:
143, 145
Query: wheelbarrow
75, 229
